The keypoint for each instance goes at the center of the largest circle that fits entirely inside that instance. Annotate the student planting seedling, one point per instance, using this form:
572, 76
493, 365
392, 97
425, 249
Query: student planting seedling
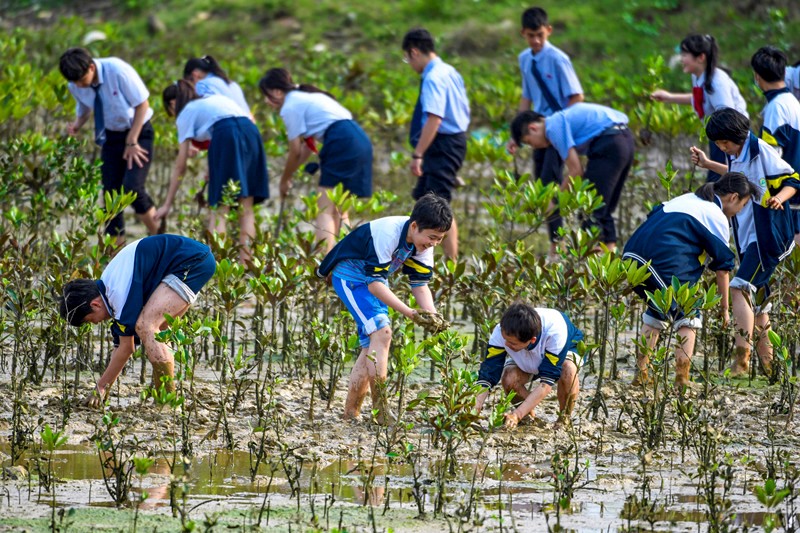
359, 267
152, 277
674, 241
529, 344
602, 134
763, 229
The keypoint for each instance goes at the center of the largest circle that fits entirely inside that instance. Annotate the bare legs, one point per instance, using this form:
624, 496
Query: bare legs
217, 223
369, 373
568, 386
745, 323
450, 242
329, 220
683, 355
151, 320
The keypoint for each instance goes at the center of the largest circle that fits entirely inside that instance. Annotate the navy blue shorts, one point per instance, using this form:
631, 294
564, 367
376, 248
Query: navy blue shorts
443, 160
196, 272
346, 158
237, 154
654, 317
369, 313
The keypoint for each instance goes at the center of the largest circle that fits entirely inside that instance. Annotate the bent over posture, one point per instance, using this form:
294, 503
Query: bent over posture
146, 280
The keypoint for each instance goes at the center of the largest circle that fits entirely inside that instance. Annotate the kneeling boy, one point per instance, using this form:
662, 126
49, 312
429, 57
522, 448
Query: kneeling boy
360, 265
528, 344
147, 279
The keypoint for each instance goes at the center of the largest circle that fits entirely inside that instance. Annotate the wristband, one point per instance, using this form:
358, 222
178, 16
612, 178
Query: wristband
416, 156
131, 144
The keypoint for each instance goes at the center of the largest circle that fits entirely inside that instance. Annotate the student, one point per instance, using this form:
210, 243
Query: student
360, 265
209, 78
781, 126
676, 238
237, 155
111, 89
603, 135
147, 279
549, 84
346, 156
438, 126
532, 343
792, 79
712, 87
763, 229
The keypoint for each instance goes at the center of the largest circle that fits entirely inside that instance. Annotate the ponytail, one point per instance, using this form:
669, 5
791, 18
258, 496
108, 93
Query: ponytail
181, 92
697, 44
208, 65
730, 182
280, 79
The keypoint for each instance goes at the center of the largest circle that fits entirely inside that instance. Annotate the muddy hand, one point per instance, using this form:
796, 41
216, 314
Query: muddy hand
511, 420
94, 400
429, 321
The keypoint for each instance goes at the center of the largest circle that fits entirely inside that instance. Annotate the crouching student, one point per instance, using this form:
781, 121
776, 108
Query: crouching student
532, 343
763, 229
146, 280
602, 134
676, 239
360, 265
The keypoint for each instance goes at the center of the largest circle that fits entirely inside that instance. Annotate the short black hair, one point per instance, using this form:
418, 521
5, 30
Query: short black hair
521, 321
74, 63
432, 212
419, 38
769, 63
520, 124
727, 124
74, 304
534, 18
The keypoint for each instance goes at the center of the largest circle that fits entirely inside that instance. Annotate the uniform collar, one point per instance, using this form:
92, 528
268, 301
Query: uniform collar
718, 201
533, 345
431, 64
102, 288
772, 93
99, 68
545, 48
403, 236
750, 149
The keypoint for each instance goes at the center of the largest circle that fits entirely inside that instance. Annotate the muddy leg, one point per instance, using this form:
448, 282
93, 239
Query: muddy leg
683, 356
642, 376
163, 301
368, 374
328, 220
568, 390
763, 346
743, 321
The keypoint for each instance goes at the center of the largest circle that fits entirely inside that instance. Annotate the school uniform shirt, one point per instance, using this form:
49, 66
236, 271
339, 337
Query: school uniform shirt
133, 275
680, 237
792, 79
557, 73
577, 125
443, 94
196, 120
121, 90
781, 127
772, 229
374, 250
726, 94
310, 114
213, 84
543, 358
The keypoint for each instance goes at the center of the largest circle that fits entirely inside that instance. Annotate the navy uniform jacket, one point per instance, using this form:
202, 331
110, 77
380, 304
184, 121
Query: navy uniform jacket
678, 236
375, 242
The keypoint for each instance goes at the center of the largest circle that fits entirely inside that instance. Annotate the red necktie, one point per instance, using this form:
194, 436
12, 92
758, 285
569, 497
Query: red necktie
697, 101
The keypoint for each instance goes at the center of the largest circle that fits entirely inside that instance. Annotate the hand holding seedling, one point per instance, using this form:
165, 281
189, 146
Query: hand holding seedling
95, 399
429, 321
72, 128
699, 157
285, 187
